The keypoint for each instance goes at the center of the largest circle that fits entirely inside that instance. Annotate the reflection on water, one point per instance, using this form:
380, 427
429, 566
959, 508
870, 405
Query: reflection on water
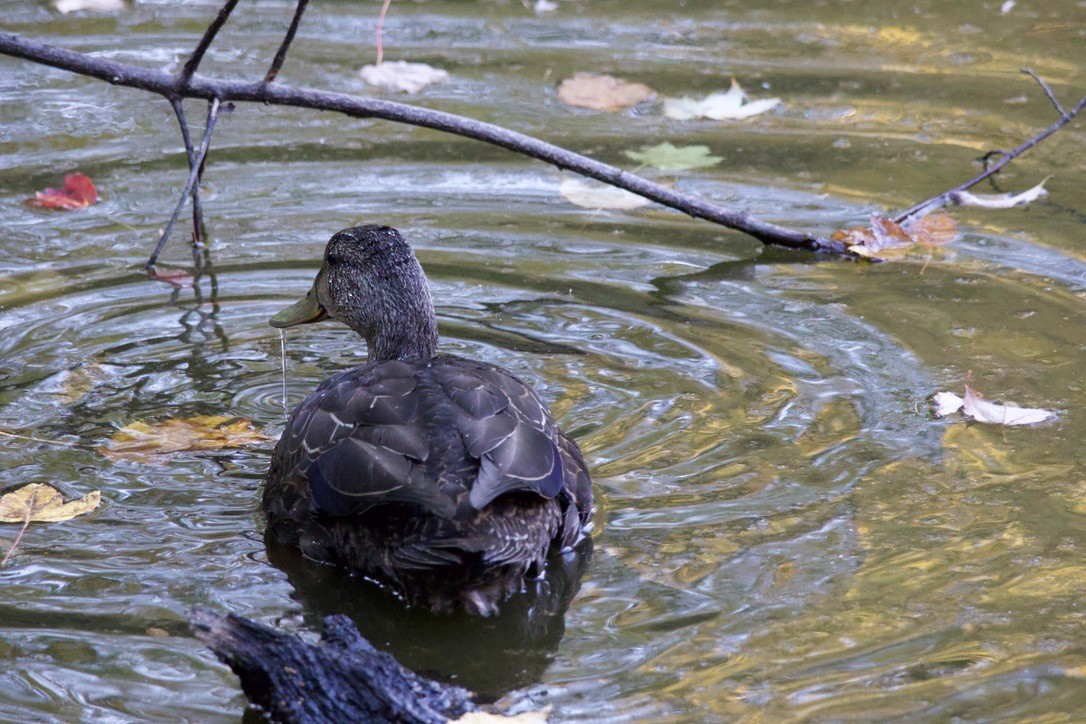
489, 656
784, 530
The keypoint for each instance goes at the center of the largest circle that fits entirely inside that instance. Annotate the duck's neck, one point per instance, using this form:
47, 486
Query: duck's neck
408, 330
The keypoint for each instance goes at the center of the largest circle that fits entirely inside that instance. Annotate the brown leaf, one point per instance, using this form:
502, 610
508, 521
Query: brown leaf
143, 442
77, 193
932, 230
602, 92
888, 234
854, 237
40, 503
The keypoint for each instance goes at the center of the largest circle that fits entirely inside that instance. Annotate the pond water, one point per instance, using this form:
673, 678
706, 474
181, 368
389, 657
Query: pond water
785, 530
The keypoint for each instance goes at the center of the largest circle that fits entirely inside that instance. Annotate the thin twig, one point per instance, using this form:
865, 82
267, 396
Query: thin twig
205, 42
281, 54
190, 152
380, 28
1046, 89
194, 173
26, 524
5, 433
950, 197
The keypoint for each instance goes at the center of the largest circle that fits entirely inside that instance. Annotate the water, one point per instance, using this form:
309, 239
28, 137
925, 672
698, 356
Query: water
784, 530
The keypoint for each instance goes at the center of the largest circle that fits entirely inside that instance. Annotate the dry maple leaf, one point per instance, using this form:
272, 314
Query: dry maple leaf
40, 503
888, 234
77, 193
932, 230
602, 92
140, 441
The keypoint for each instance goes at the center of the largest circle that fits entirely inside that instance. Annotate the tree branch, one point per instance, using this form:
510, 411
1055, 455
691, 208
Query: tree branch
205, 42
194, 174
950, 196
281, 54
190, 152
258, 92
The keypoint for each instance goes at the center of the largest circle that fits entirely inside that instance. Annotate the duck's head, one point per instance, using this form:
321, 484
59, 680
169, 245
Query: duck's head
371, 281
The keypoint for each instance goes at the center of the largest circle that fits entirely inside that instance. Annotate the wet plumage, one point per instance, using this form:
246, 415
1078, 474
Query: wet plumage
442, 477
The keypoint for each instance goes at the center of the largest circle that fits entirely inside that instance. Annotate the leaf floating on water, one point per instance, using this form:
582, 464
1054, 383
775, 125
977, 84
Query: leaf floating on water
1002, 201
599, 196
932, 230
141, 441
602, 92
77, 193
973, 405
730, 105
73, 6
887, 235
946, 403
401, 76
668, 157
40, 503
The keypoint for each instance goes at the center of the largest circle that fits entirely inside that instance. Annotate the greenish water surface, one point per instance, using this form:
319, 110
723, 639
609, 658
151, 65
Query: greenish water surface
785, 530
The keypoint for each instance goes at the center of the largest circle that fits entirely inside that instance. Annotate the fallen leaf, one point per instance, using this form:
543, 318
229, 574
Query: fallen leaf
973, 405
174, 277
732, 104
140, 441
399, 75
1001, 201
888, 234
77, 193
981, 410
932, 230
40, 503
668, 157
602, 92
158, 633
73, 6
591, 195
947, 403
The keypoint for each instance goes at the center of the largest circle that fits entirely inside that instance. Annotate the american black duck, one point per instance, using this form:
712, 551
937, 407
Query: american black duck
443, 478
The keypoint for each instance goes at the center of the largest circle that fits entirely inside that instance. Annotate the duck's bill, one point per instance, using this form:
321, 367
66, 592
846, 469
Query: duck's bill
304, 311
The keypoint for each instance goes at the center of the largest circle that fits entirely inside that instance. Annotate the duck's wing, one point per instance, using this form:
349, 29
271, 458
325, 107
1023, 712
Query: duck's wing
506, 427
360, 440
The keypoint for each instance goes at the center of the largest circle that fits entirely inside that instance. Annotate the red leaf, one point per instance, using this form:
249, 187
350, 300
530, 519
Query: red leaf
78, 192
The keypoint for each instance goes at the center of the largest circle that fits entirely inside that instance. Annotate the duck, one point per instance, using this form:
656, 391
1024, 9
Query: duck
444, 479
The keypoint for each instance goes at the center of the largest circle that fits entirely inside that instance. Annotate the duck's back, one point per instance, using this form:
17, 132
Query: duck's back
444, 469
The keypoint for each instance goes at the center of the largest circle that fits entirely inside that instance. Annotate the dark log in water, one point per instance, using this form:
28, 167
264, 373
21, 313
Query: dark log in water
341, 678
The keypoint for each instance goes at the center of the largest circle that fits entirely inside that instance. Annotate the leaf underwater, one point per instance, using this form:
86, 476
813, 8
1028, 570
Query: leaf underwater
599, 196
141, 441
730, 105
668, 157
401, 76
40, 503
602, 92
78, 192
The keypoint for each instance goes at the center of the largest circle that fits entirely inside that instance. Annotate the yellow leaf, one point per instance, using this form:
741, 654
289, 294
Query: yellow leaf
39, 503
143, 442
